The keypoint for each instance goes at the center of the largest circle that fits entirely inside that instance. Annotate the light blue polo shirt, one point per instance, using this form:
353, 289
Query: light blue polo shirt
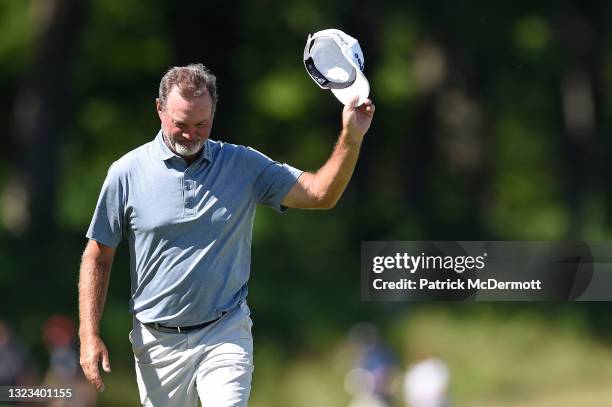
189, 228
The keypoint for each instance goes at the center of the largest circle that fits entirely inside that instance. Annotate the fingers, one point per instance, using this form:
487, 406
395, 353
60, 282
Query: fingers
90, 369
91, 355
368, 107
106, 362
353, 103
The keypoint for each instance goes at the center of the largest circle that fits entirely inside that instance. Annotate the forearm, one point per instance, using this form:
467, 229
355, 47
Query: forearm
93, 284
324, 188
330, 181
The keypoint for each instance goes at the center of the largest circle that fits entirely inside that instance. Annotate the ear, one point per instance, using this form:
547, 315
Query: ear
159, 109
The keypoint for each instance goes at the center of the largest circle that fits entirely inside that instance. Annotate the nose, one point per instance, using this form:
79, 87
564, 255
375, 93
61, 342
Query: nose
189, 133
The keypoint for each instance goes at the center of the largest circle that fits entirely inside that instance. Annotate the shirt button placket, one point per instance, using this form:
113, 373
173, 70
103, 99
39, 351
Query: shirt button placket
189, 194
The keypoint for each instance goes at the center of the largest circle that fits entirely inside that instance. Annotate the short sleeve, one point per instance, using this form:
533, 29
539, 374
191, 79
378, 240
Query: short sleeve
108, 223
273, 181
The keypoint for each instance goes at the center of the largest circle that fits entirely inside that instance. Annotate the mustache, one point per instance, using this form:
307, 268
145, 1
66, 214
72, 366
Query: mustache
177, 140
183, 141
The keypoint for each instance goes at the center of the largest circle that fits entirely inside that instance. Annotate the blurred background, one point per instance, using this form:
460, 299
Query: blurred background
492, 123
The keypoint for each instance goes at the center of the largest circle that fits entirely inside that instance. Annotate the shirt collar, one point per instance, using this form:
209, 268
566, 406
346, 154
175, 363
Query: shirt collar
165, 153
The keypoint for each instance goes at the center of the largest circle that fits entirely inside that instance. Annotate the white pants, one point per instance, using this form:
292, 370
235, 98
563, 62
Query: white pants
214, 363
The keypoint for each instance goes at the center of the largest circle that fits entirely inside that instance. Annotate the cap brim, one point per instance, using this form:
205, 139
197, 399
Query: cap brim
361, 88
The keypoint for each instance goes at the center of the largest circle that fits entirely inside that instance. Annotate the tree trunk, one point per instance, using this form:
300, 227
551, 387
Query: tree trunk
41, 111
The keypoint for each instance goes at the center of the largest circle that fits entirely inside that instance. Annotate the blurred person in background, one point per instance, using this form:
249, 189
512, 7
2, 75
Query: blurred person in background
426, 383
186, 205
59, 336
371, 382
16, 365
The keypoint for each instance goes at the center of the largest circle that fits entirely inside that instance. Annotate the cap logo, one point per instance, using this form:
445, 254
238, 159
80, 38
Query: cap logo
359, 61
342, 40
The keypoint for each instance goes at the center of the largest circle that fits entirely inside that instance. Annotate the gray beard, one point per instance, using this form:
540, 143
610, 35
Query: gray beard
186, 150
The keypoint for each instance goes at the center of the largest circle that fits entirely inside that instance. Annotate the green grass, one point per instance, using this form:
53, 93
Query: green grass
527, 359
501, 360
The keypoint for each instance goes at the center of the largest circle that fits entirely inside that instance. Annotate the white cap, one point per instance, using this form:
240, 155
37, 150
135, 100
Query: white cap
334, 60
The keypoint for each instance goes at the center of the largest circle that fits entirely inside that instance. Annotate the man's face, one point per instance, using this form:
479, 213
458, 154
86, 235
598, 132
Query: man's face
186, 123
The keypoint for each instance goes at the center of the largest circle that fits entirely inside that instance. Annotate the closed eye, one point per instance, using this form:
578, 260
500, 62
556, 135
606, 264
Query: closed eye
185, 125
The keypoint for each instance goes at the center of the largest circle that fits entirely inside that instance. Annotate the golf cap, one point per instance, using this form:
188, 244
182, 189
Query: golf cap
334, 60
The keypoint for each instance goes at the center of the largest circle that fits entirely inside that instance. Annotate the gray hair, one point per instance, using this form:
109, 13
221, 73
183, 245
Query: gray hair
191, 81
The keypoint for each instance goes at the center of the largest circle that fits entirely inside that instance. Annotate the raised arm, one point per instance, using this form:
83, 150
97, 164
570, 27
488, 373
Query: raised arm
93, 285
323, 189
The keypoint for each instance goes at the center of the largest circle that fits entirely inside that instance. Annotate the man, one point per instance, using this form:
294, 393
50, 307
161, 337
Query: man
186, 205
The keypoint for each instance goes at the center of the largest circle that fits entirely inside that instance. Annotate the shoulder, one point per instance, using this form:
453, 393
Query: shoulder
246, 152
222, 148
228, 152
132, 160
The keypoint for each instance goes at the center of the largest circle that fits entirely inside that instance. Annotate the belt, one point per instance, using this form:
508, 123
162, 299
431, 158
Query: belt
181, 329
